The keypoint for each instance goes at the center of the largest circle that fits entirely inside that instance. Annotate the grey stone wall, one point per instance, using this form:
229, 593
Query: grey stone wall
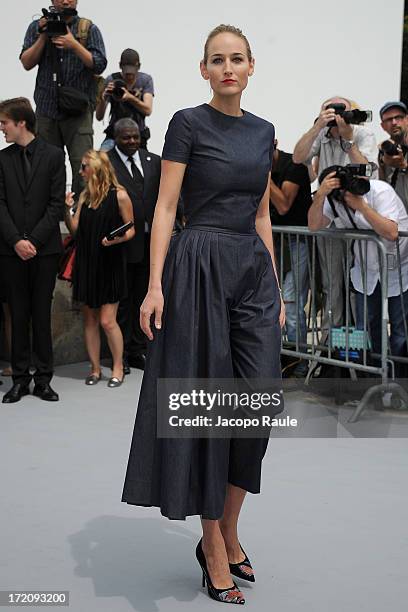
67, 327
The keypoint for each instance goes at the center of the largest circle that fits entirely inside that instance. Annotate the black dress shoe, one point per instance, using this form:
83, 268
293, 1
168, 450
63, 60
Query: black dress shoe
45, 392
240, 569
137, 362
15, 394
126, 368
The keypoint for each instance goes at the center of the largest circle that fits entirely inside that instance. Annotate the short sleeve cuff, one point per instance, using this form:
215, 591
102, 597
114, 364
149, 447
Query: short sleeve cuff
179, 139
176, 158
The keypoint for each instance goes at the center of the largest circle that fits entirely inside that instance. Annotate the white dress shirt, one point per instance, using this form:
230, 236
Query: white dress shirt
383, 199
125, 159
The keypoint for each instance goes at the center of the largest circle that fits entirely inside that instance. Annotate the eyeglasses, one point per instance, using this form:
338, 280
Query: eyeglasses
84, 167
394, 118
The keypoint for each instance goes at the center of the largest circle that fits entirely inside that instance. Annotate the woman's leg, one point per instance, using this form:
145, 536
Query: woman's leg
92, 338
114, 337
213, 546
229, 525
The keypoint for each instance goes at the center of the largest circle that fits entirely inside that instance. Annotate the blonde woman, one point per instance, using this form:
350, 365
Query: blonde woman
99, 281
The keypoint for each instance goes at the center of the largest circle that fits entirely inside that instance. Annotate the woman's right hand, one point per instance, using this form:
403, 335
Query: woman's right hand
69, 199
152, 304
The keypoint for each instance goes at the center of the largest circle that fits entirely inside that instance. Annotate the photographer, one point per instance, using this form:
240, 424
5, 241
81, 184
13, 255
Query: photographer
130, 95
381, 210
394, 152
65, 90
334, 141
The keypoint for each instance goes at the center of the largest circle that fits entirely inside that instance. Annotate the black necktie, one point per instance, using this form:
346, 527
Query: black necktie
26, 163
137, 175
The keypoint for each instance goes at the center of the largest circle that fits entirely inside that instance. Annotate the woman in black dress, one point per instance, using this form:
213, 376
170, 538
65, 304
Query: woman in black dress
215, 302
99, 271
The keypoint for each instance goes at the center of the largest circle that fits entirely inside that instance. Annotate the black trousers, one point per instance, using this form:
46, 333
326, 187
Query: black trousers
30, 287
129, 309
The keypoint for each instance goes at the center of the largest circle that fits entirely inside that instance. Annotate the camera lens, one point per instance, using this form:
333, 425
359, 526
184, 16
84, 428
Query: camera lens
357, 116
118, 89
389, 148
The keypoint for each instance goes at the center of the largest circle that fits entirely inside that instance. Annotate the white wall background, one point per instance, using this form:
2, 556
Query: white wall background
305, 52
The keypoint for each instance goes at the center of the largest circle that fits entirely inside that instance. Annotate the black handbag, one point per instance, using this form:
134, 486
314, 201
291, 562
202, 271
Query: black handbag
71, 101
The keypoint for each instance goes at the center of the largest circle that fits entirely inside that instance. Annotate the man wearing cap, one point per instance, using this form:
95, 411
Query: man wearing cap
130, 95
394, 168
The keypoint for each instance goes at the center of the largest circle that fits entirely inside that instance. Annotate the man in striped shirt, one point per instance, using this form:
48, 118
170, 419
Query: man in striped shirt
78, 64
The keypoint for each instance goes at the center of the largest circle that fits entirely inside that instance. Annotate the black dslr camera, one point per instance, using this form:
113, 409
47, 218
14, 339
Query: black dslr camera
391, 148
117, 92
56, 25
354, 117
351, 180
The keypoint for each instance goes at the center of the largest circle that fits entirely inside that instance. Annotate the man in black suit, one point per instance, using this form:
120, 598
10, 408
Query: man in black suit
32, 193
139, 172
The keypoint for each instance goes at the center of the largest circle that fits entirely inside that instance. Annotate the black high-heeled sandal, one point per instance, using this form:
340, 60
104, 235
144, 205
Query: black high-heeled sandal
235, 568
230, 595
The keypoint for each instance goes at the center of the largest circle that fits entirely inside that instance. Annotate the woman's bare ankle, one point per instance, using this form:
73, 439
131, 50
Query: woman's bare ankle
232, 545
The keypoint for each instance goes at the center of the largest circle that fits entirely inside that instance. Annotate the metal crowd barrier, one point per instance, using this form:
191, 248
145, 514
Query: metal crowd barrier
322, 333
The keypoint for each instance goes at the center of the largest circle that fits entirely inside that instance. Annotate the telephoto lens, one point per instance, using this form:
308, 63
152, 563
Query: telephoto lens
357, 116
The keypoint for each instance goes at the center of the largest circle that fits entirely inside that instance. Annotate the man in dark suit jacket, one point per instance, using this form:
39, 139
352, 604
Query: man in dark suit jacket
32, 193
139, 172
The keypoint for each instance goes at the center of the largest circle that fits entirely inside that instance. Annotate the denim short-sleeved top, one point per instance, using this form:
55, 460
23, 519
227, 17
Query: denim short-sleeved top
228, 162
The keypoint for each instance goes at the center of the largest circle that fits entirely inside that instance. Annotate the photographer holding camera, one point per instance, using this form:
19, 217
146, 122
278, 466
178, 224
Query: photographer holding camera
336, 138
69, 52
130, 95
393, 155
353, 202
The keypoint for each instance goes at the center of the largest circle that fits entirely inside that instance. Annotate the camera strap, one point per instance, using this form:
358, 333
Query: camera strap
84, 25
346, 208
56, 68
332, 206
394, 178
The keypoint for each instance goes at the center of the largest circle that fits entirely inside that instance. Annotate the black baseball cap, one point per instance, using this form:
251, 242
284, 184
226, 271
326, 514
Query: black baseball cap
130, 58
395, 104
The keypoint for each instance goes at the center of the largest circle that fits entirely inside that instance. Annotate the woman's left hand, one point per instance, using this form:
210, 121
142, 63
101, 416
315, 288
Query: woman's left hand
106, 242
282, 316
